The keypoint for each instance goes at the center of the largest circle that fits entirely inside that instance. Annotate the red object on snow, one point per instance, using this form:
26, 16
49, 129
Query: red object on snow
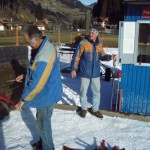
115, 148
103, 146
97, 148
3, 97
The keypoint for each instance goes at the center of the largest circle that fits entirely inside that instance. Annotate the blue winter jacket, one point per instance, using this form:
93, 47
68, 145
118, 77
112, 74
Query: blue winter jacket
87, 56
43, 85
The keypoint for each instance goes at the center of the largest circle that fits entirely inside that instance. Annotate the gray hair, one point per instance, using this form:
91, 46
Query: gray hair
33, 32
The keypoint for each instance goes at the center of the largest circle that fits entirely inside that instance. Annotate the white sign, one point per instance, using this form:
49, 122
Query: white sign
128, 37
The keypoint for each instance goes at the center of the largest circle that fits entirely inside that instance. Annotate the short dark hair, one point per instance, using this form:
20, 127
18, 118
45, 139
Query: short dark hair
33, 32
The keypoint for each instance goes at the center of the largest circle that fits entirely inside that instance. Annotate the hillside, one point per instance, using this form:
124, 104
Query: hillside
57, 12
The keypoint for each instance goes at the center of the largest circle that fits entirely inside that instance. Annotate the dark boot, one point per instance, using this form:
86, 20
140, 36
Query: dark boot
37, 145
97, 114
83, 113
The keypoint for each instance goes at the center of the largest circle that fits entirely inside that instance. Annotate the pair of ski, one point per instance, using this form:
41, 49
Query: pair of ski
102, 147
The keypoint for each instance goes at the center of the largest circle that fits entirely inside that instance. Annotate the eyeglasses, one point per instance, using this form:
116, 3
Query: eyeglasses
92, 32
31, 41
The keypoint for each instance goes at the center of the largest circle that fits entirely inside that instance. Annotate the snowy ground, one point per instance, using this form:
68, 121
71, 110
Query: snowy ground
17, 131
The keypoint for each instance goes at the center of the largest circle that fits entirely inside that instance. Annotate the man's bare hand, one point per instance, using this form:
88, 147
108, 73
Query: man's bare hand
19, 78
73, 74
114, 57
19, 105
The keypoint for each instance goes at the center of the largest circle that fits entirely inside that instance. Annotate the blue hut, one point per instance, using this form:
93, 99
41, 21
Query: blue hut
134, 55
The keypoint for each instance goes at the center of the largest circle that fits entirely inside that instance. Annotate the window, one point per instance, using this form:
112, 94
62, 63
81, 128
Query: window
144, 43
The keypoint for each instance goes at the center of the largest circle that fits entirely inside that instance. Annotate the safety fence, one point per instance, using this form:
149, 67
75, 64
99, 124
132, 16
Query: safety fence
15, 37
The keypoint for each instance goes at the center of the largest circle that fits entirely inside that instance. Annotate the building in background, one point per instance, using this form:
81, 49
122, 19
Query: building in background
134, 55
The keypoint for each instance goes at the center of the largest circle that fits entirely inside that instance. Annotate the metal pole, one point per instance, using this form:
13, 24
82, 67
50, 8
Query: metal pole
17, 35
71, 45
113, 83
59, 35
112, 94
117, 95
88, 14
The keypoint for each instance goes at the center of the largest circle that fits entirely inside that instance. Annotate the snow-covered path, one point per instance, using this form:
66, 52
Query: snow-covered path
18, 131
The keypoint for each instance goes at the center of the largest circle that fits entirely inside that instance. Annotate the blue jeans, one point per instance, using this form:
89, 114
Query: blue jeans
95, 87
43, 124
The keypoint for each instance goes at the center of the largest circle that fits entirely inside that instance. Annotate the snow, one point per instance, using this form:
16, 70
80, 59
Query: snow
18, 130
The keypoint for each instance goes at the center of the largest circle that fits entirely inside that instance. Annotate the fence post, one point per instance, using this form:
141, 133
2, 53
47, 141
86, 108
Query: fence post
17, 35
59, 35
100, 36
71, 46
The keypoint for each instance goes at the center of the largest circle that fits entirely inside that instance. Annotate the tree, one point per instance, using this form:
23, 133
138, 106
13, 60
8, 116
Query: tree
75, 24
82, 23
113, 9
115, 14
39, 12
96, 12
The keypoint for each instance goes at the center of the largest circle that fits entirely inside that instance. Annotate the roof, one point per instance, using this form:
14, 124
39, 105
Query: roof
137, 2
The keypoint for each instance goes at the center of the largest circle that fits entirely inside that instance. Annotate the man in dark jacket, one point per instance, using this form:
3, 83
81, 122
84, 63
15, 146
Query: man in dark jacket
86, 57
43, 85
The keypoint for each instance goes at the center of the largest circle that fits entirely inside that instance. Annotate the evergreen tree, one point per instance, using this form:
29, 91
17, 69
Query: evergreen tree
96, 12
75, 24
104, 8
113, 9
39, 12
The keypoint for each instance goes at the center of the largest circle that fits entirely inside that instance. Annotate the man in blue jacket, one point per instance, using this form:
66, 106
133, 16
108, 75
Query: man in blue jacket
43, 85
87, 55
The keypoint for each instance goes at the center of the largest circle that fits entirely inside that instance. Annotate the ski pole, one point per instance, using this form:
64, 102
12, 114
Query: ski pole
113, 82
13, 80
112, 94
119, 74
117, 95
